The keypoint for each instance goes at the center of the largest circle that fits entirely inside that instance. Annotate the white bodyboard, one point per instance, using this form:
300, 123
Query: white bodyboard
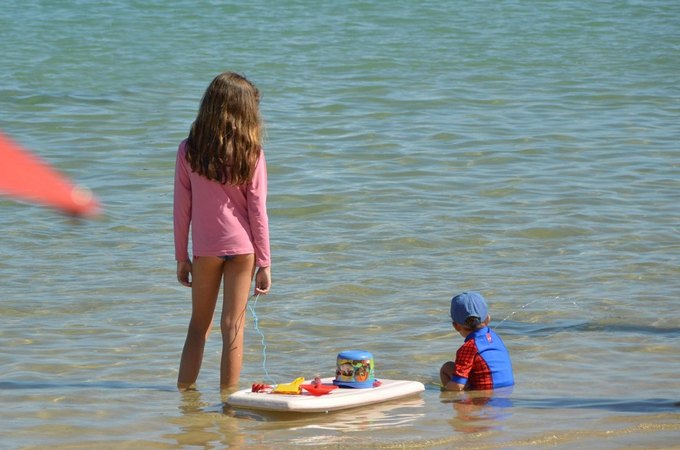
342, 398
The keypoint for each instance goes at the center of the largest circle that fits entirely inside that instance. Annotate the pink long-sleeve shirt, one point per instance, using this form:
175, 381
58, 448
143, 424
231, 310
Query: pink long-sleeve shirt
224, 219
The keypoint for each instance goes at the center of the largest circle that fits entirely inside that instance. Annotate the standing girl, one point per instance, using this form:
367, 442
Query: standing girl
221, 192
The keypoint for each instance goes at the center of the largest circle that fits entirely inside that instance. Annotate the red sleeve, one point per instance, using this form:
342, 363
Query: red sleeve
465, 357
182, 204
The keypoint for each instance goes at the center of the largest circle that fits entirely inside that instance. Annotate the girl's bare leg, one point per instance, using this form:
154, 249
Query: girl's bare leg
238, 276
206, 278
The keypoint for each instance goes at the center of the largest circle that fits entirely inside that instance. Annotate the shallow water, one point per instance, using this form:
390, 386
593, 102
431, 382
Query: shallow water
526, 150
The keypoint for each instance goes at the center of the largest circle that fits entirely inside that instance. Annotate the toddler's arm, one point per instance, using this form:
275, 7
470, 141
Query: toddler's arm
445, 375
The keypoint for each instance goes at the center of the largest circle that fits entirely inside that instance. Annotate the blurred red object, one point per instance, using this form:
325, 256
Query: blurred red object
319, 389
260, 387
26, 177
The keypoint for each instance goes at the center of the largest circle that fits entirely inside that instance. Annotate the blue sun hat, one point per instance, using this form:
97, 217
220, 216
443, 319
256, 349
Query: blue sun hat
468, 304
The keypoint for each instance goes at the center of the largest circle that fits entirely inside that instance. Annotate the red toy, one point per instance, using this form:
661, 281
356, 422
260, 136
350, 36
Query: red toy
260, 387
317, 389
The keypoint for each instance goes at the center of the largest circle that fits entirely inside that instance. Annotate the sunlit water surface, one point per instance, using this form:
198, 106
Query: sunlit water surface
528, 150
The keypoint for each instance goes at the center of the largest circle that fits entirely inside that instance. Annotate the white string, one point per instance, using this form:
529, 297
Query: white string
256, 320
521, 308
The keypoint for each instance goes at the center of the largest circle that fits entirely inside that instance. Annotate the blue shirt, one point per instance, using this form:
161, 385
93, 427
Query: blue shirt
483, 362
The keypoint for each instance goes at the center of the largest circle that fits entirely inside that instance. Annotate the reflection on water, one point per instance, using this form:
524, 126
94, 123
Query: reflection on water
203, 425
370, 417
332, 428
477, 411
215, 426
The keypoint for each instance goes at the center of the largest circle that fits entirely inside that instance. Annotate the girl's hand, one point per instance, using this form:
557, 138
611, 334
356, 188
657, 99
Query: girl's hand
263, 280
183, 272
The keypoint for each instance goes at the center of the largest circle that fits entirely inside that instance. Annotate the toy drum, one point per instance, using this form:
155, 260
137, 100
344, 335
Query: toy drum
355, 369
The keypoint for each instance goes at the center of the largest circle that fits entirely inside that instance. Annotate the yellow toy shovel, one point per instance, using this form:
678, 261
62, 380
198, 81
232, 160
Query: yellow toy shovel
292, 388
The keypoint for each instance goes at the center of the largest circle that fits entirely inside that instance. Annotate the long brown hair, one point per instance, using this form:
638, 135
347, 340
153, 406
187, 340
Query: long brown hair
225, 139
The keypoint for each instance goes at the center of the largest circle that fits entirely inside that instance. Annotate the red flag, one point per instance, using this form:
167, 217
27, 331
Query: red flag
26, 177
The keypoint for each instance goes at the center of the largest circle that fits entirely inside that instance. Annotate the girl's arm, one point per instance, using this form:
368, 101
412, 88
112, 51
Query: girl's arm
184, 269
263, 280
257, 213
181, 205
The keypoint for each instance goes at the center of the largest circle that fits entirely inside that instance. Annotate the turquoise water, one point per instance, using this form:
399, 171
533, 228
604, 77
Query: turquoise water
528, 150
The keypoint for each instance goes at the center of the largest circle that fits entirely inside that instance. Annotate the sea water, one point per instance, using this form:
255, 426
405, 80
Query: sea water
528, 150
